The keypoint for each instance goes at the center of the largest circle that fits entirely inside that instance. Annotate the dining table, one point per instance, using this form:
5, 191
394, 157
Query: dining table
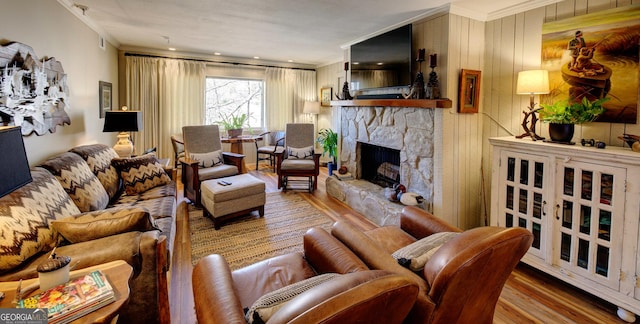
237, 143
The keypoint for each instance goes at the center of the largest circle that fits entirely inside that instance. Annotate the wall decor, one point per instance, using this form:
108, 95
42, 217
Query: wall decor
33, 91
469, 92
595, 56
104, 93
325, 96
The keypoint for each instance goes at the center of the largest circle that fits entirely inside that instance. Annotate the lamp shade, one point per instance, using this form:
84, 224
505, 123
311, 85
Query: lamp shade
122, 121
533, 82
311, 107
14, 166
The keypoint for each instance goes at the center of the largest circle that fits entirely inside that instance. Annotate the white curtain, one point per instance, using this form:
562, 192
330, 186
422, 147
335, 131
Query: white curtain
170, 94
285, 94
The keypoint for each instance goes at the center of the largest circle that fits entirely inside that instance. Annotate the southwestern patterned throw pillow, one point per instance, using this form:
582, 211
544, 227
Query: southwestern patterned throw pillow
270, 303
416, 255
300, 153
25, 215
98, 157
140, 173
78, 181
209, 159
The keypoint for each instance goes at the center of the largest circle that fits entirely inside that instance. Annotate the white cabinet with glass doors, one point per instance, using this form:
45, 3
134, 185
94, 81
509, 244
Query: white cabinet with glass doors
582, 205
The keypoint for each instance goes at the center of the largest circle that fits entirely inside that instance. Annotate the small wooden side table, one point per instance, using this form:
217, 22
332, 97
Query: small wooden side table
236, 145
117, 272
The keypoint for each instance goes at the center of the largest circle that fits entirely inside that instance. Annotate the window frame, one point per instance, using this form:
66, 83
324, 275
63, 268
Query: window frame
262, 119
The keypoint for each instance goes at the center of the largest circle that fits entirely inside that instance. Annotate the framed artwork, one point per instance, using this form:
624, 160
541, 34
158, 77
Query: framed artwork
104, 93
325, 96
595, 56
469, 92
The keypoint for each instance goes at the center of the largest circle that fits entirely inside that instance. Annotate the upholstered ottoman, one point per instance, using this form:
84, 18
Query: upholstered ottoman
243, 194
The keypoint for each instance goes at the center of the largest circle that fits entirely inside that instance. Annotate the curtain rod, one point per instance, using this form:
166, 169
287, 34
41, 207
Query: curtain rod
211, 61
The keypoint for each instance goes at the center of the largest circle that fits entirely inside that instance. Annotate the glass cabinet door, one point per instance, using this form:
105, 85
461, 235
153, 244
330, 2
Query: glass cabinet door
522, 200
589, 211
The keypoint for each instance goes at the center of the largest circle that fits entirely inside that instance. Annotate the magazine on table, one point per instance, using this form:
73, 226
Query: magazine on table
73, 299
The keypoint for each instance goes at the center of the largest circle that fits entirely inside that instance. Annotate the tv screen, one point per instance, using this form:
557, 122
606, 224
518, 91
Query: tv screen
382, 61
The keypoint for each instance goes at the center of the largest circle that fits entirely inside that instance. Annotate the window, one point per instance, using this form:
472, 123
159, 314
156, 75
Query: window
224, 96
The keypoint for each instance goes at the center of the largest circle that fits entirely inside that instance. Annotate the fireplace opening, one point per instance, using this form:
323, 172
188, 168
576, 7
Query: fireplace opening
379, 164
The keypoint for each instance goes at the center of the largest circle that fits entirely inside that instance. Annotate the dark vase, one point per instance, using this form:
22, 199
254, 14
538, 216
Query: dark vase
561, 132
234, 132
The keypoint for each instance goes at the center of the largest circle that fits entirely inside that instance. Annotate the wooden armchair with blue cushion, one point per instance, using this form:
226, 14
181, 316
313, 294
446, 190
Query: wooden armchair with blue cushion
299, 158
204, 159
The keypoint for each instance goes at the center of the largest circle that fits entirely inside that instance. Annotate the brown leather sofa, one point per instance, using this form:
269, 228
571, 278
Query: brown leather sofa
463, 279
360, 295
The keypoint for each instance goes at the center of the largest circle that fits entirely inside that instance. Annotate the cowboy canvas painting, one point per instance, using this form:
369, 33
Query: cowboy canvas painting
595, 56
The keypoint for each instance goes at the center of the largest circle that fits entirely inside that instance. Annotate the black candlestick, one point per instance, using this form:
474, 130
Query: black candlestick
433, 87
417, 88
345, 87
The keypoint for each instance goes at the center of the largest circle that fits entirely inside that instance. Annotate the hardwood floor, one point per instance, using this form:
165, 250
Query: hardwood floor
528, 297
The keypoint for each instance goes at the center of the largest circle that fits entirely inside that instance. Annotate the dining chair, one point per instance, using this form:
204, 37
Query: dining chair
273, 144
178, 149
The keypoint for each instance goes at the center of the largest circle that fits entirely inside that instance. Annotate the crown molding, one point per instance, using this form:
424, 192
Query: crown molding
519, 8
508, 11
427, 13
82, 15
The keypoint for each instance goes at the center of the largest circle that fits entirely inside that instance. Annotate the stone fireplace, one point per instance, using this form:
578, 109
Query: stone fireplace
410, 131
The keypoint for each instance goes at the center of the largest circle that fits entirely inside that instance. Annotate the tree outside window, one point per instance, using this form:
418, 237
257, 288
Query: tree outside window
226, 97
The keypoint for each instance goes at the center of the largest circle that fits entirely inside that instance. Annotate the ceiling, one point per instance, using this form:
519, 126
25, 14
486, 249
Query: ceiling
307, 32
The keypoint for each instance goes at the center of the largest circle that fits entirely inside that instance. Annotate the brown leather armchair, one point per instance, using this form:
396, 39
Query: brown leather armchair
220, 295
462, 281
204, 139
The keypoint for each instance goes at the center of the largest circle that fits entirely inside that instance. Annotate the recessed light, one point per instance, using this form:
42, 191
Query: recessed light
380, 63
172, 48
355, 63
290, 61
256, 57
217, 53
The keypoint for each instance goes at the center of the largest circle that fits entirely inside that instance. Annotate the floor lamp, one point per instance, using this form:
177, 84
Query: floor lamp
123, 122
313, 108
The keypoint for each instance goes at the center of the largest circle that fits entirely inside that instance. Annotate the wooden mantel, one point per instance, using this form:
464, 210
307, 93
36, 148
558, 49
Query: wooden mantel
416, 103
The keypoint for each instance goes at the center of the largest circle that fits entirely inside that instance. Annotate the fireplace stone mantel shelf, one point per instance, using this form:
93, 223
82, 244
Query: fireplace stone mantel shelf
415, 103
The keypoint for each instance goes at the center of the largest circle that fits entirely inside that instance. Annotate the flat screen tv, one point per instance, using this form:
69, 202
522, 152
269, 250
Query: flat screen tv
382, 61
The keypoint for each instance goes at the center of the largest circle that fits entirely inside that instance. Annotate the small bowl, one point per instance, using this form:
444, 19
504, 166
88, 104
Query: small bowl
53, 272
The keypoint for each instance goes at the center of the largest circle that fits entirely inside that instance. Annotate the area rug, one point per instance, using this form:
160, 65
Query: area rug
248, 239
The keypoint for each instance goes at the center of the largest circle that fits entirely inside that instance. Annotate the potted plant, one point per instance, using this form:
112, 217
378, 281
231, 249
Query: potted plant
329, 141
562, 116
233, 123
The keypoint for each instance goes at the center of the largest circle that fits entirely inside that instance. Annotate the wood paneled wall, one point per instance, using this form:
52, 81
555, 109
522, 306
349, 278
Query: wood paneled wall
327, 76
459, 43
513, 44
